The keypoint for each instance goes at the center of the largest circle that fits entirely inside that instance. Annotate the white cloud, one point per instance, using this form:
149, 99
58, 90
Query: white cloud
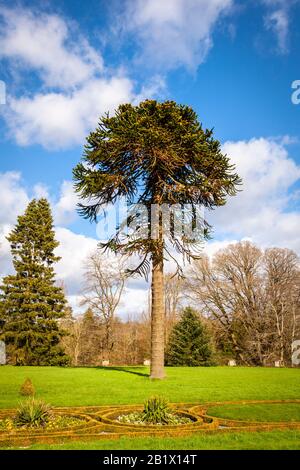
5, 256
40, 191
13, 197
76, 86
213, 246
64, 210
173, 33
260, 211
135, 303
59, 120
47, 43
277, 20
74, 250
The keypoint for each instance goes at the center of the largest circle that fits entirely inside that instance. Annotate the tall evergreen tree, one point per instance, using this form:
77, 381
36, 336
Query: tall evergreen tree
158, 155
30, 301
189, 343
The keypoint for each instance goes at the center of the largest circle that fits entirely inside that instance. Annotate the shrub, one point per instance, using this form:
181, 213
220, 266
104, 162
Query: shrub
33, 413
27, 388
189, 343
156, 411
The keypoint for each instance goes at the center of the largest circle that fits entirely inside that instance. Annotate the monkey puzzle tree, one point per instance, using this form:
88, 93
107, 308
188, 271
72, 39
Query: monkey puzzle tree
156, 155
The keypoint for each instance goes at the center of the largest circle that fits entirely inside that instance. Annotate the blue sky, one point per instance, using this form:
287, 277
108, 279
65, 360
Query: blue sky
65, 63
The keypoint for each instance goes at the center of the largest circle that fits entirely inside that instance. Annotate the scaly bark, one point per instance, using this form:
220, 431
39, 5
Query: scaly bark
157, 322
158, 302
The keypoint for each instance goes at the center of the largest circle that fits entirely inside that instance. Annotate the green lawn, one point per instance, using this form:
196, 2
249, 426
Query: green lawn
254, 412
274, 440
102, 386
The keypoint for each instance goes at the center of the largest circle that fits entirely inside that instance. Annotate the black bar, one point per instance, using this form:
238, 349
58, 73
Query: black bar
149, 458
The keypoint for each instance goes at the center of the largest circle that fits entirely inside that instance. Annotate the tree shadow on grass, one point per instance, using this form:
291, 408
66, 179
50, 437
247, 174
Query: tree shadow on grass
125, 369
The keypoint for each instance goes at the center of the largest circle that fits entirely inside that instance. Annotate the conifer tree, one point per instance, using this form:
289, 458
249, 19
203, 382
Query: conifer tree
157, 155
31, 304
189, 343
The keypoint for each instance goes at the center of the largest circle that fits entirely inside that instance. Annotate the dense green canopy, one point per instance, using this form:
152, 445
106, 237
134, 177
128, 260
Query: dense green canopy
189, 343
31, 303
153, 153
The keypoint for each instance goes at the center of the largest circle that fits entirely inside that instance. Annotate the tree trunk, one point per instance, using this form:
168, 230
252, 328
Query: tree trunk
157, 322
158, 302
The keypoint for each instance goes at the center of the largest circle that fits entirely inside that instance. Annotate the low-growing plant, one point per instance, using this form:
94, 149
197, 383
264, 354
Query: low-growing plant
33, 413
156, 411
27, 388
137, 418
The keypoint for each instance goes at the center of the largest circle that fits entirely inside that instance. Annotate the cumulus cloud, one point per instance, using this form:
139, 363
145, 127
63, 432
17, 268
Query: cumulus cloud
74, 249
65, 207
135, 303
14, 197
76, 86
5, 256
40, 191
44, 42
260, 211
173, 33
59, 120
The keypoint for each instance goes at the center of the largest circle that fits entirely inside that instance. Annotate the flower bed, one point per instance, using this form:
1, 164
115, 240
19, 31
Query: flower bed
137, 417
101, 422
56, 422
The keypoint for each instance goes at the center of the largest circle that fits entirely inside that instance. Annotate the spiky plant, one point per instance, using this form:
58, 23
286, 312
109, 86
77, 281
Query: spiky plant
33, 413
156, 411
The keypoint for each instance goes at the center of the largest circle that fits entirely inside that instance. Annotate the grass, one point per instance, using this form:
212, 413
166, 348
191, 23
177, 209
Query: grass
105, 386
255, 412
271, 440
128, 385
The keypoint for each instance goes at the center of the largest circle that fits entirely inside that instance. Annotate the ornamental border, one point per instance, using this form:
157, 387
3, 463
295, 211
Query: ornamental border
99, 423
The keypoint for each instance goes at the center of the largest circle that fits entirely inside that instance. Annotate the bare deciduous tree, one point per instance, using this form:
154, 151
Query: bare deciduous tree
104, 285
283, 294
174, 286
253, 297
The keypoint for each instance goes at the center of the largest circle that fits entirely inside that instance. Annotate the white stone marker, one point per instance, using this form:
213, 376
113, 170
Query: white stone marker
2, 354
232, 363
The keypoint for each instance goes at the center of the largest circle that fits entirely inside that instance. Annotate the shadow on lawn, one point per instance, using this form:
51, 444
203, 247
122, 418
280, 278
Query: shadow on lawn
125, 369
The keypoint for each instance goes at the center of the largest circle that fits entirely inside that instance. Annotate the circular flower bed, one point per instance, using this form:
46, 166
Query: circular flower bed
156, 412
138, 417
